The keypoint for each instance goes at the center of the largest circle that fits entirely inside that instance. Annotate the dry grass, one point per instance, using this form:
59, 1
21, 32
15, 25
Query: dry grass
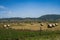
32, 26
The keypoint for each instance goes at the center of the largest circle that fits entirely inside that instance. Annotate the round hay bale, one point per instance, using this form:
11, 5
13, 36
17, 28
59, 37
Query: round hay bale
49, 25
53, 25
4, 26
8, 25
56, 24
41, 24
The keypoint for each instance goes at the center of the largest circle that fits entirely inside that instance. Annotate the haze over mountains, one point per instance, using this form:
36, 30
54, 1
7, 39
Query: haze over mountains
47, 17
50, 17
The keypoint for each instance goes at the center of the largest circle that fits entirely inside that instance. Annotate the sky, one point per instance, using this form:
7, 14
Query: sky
28, 8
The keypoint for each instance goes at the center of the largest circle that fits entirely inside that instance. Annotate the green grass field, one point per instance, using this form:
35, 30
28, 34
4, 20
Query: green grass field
12, 34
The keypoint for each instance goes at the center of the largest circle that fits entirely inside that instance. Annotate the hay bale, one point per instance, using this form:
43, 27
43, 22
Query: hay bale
41, 24
49, 26
53, 25
56, 24
4, 26
8, 25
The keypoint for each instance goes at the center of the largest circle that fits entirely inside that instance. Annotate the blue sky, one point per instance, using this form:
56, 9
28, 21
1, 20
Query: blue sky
28, 8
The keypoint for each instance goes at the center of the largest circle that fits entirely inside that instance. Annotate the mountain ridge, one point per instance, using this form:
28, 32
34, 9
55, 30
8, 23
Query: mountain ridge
47, 17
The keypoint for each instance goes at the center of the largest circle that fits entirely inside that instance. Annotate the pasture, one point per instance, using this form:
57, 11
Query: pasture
32, 26
11, 34
29, 31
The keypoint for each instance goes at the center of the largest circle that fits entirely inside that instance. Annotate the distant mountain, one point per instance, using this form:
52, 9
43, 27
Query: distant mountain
50, 17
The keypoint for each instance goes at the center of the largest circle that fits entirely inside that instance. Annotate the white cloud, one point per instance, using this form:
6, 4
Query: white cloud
9, 12
5, 12
2, 7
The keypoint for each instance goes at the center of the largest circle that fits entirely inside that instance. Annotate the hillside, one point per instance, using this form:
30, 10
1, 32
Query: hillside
51, 17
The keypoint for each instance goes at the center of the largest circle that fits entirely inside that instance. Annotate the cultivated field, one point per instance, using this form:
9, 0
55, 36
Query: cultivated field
29, 31
32, 26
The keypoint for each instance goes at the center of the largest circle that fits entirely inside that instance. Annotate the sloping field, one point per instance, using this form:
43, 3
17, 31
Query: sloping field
31, 26
34, 26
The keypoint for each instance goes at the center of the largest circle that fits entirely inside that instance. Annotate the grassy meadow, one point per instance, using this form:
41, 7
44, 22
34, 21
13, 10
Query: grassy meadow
12, 34
29, 31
